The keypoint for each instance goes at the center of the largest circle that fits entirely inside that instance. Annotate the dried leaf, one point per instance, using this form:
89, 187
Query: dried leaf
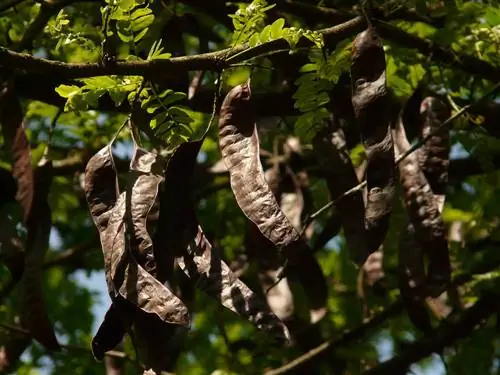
33, 312
424, 216
239, 144
372, 108
11, 117
204, 266
334, 159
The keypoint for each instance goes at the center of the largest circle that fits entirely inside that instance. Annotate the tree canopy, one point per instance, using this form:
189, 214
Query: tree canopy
268, 187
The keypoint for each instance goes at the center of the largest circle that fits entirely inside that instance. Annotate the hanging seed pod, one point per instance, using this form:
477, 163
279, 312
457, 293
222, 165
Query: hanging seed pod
373, 111
239, 144
330, 150
33, 312
11, 118
434, 156
144, 178
203, 265
177, 223
424, 216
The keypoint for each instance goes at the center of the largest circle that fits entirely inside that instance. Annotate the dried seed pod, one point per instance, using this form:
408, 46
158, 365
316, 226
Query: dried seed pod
134, 283
110, 332
412, 278
11, 117
203, 265
434, 155
424, 216
144, 178
373, 111
330, 150
239, 144
177, 223
33, 312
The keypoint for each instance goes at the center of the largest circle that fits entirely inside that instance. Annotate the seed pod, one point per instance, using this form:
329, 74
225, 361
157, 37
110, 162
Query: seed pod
424, 216
11, 117
412, 278
372, 108
239, 144
33, 312
110, 332
434, 157
203, 265
177, 223
330, 150
144, 177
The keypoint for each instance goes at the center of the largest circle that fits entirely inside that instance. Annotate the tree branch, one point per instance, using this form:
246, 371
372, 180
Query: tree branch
445, 336
216, 61
346, 338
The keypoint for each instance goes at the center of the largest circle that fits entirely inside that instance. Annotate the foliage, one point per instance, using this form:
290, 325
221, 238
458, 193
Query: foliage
298, 77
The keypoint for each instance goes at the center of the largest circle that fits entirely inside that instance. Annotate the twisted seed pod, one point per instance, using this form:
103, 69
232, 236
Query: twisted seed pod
424, 216
203, 265
434, 156
330, 150
372, 108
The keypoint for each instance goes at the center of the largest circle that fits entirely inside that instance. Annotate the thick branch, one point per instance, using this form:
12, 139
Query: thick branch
215, 61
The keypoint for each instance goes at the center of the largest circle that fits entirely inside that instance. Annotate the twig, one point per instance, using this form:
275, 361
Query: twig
440, 338
110, 353
346, 338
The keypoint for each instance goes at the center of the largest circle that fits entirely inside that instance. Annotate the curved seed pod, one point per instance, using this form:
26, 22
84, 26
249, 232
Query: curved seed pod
11, 117
412, 278
144, 177
424, 215
372, 108
239, 144
434, 155
134, 283
330, 150
177, 223
33, 312
109, 334
203, 265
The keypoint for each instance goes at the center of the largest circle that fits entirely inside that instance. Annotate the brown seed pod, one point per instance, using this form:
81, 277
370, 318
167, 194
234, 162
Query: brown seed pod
11, 118
177, 222
33, 312
202, 263
239, 144
434, 156
424, 216
144, 178
373, 111
335, 162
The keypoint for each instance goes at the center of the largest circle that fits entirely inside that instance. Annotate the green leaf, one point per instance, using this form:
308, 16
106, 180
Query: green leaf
66, 91
277, 28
